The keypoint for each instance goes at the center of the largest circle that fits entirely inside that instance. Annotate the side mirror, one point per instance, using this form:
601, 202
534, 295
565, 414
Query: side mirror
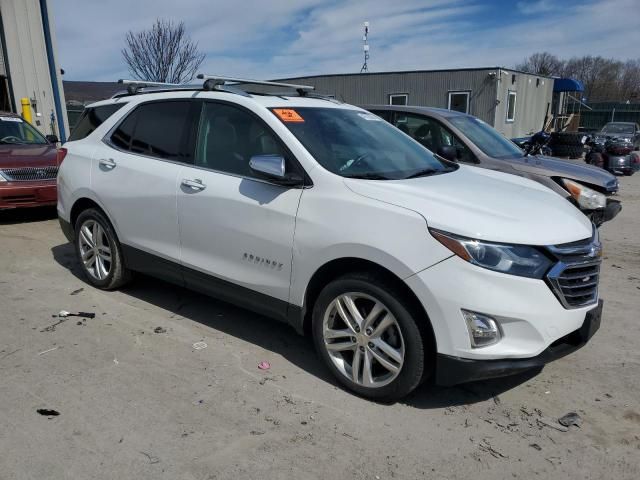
448, 152
52, 138
273, 168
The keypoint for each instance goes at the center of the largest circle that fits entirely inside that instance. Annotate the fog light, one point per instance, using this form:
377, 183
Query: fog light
483, 330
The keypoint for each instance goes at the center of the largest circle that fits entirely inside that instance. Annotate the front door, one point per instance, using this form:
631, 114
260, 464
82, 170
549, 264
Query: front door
236, 230
135, 176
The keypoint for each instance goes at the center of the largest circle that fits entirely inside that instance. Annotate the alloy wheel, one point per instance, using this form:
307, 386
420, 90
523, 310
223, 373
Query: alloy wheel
363, 339
95, 251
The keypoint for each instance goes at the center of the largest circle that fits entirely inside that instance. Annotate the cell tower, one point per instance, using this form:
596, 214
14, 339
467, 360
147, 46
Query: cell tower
365, 48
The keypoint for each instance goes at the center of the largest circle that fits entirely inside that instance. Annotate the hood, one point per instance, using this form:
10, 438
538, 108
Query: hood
15, 156
485, 205
554, 167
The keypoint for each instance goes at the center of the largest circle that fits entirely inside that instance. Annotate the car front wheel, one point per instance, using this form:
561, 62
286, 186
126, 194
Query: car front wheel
368, 337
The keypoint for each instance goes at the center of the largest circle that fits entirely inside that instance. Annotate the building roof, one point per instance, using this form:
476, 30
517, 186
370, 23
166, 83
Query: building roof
355, 74
88, 92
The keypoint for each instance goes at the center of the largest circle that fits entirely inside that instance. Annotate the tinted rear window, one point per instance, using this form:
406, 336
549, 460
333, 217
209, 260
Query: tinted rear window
157, 129
91, 119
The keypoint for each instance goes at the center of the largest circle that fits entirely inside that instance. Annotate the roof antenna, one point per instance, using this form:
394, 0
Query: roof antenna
365, 48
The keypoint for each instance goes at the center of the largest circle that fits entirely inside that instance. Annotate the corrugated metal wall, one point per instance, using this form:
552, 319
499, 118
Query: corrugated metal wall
27, 57
424, 88
431, 89
533, 93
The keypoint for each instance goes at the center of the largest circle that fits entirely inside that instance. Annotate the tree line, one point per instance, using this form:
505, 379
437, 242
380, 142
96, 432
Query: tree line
604, 79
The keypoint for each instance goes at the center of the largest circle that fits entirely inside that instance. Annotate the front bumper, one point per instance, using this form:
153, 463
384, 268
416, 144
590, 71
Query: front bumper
27, 194
455, 370
530, 316
613, 208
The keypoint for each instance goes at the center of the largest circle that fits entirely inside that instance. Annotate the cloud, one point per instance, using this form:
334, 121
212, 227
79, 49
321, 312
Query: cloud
537, 7
280, 38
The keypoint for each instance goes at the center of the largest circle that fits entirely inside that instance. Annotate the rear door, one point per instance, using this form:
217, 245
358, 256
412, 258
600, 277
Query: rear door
135, 175
236, 229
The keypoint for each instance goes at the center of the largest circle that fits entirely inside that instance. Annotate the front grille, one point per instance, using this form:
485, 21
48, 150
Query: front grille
574, 279
576, 285
29, 174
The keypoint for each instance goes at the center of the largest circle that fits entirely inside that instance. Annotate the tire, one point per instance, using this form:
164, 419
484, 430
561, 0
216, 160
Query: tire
107, 271
399, 332
595, 159
570, 139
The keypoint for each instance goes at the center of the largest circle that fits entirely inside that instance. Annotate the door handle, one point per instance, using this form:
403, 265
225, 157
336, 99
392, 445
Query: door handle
194, 184
107, 163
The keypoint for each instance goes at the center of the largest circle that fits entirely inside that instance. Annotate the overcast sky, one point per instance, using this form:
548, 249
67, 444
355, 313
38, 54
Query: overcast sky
280, 38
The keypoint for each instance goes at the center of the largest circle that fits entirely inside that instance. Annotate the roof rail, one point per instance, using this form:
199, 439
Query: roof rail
135, 86
213, 82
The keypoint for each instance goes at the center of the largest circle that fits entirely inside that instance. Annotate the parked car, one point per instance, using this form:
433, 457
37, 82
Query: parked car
28, 164
627, 132
613, 153
400, 265
466, 139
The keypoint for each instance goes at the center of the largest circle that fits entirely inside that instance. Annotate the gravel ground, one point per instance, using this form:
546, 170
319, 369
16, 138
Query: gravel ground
133, 403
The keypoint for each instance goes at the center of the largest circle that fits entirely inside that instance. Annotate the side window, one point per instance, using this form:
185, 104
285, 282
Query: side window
91, 119
422, 129
384, 114
463, 152
228, 137
156, 129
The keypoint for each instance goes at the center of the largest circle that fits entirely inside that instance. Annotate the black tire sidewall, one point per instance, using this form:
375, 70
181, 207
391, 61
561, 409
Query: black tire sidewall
114, 246
413, 367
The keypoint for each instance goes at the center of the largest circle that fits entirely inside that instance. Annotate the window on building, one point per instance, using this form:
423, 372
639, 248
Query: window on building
156, 129
399, 99
459, 101
92, 118
511, 106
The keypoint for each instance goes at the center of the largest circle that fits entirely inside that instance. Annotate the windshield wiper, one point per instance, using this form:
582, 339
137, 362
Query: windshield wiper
423, 173
367, 176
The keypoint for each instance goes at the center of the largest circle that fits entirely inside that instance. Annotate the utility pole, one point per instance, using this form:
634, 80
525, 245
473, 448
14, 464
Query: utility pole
365, 48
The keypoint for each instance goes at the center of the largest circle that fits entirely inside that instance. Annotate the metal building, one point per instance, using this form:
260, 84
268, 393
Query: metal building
28, 67
514, 102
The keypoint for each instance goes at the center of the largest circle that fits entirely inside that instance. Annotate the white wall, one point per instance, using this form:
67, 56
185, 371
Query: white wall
27, 58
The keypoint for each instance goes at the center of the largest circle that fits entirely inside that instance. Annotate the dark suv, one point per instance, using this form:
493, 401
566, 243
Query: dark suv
464, 138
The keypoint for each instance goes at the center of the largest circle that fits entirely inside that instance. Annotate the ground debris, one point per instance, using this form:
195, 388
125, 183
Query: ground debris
571, 418
160, 330
486, 447
76, 292
536, 446
264, 365
47, 412
199, 345
47, 351
544, 422
152, 459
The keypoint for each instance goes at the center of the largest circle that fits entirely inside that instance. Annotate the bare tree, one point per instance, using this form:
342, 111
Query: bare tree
162, 54
541, 63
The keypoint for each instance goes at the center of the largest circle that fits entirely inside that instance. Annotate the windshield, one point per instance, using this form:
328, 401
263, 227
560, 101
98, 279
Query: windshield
15, 131
618, 128
358, 144
486, 138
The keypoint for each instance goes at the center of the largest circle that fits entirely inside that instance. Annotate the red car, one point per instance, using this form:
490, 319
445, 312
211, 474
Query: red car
28, 164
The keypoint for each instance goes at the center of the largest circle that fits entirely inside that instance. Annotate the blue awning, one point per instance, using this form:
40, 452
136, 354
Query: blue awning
567, 85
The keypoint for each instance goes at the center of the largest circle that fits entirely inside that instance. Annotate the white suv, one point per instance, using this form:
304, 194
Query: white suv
401, 265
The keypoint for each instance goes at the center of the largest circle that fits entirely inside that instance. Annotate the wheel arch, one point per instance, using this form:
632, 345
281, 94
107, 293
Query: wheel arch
340, 266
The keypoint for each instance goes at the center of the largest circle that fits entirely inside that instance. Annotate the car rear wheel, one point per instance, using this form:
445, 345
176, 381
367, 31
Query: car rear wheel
99, 251
368, 337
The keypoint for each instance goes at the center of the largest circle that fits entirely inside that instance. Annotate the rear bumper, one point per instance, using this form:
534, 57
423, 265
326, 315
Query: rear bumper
27, 194
455, 370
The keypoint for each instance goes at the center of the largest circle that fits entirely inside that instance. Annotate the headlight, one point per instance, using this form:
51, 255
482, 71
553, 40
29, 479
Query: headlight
587, 198
521, 260
2, 179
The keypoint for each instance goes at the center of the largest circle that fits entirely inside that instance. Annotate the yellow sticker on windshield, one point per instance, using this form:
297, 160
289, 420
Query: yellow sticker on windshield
288, 115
